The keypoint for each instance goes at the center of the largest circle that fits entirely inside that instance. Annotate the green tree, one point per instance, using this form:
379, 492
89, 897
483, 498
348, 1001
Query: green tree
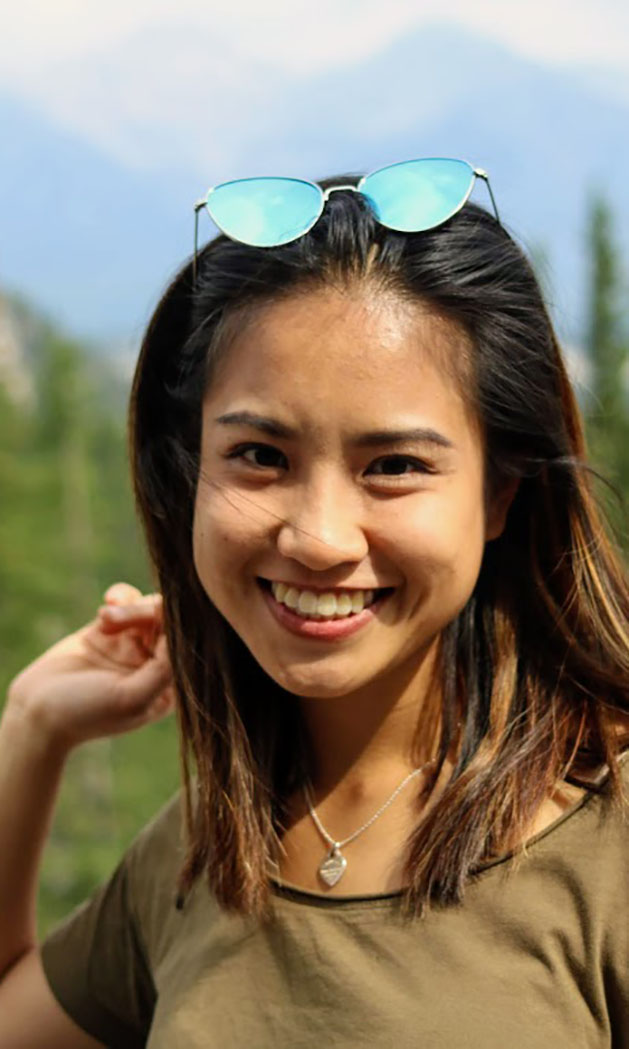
67, 531
607, 349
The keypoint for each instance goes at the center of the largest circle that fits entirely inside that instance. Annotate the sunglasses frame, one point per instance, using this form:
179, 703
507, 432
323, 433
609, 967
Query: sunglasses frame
478, 173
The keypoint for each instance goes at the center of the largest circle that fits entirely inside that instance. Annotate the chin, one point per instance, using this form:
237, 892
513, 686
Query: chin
312, 681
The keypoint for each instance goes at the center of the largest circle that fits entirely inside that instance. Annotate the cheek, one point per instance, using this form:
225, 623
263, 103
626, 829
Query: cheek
226, 534
441, 544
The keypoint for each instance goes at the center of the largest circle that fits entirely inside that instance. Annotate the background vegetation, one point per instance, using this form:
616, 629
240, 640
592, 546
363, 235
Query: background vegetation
68, 530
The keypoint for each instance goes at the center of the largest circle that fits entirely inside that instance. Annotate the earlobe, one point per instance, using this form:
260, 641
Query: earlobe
499, 508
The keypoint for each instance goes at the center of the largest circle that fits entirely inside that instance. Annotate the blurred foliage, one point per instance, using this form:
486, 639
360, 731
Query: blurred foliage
607, 347
68, 530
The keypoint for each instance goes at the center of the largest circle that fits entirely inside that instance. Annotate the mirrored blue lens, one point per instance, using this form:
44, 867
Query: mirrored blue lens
265, 211
416, 195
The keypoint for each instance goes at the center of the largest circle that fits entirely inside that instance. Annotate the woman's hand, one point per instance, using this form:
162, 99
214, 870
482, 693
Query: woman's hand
109, 677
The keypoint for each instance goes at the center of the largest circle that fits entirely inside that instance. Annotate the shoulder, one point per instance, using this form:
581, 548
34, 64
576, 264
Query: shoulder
159, 846
100, 960
152, 864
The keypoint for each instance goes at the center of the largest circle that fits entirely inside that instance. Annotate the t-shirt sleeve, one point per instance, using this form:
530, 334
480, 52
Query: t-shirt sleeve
97, 961
97, 967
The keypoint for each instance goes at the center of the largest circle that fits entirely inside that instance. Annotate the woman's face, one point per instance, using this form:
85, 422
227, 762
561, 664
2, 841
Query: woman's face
337, 459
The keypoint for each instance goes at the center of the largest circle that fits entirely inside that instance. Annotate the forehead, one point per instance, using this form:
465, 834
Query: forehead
353, 349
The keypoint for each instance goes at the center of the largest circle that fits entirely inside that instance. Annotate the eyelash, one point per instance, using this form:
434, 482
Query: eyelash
239, 453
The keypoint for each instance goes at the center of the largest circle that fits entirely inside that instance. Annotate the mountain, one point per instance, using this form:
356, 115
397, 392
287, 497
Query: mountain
92, 233
546, 138
82, 236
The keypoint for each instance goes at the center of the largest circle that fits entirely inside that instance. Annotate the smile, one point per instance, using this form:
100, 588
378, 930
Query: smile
327, 605
334, 623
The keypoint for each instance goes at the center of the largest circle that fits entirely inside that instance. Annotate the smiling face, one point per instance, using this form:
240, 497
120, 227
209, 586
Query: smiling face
338, 457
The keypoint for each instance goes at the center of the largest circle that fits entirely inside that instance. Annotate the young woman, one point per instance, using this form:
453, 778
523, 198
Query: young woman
399, 650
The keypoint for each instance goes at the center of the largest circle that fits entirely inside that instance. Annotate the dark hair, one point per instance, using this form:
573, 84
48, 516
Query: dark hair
538, 660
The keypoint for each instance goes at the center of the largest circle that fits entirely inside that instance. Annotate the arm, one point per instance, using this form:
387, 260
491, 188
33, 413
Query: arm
30, 773
30, 1015
101, 681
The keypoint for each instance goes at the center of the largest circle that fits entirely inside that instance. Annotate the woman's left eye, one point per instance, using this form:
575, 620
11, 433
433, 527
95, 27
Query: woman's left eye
398, 466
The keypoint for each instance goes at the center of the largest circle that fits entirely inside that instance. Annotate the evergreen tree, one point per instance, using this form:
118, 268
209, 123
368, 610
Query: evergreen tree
606, 345
67, 531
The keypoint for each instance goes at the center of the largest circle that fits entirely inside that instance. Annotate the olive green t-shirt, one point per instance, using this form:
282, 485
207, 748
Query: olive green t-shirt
536, 956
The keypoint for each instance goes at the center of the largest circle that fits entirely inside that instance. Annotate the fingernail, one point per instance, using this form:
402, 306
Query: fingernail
114, 613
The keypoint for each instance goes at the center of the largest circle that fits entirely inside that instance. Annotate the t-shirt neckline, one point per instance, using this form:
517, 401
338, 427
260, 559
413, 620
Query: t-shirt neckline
308, 896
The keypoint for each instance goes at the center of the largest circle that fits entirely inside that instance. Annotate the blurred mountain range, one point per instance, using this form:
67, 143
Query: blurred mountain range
93, 223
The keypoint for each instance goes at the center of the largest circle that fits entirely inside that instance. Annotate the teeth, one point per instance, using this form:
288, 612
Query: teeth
291, 597
322, 606
307, 602
327, 605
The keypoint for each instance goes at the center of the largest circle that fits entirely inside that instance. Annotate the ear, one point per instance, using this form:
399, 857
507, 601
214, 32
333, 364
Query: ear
499, 508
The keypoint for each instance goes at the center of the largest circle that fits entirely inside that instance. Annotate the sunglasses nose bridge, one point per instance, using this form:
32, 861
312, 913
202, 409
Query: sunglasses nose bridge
335, 189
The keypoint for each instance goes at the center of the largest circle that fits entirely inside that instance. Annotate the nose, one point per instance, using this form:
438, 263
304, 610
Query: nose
322, 528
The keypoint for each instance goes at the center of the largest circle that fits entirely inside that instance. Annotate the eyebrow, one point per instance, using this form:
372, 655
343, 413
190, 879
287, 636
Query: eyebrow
371, 439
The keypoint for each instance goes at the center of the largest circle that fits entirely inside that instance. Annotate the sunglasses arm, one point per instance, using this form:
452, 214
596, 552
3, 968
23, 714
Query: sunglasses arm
485, 177
197, 208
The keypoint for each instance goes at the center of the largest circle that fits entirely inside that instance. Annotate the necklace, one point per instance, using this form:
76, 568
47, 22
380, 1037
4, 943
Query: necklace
333, 866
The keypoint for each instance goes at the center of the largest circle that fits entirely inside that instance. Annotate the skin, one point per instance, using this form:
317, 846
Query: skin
316, 510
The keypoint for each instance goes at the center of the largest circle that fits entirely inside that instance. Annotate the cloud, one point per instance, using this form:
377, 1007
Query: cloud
307, 36
160, 88
190, 105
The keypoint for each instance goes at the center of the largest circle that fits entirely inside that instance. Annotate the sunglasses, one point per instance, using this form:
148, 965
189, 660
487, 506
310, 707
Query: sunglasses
411, 196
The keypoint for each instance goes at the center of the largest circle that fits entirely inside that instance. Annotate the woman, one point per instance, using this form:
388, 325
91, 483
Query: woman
398, 640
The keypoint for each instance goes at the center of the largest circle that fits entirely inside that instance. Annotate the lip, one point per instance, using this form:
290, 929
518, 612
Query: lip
321, 629
324, 589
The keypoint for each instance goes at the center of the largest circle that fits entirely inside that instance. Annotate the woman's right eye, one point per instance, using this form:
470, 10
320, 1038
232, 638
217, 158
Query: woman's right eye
260, 456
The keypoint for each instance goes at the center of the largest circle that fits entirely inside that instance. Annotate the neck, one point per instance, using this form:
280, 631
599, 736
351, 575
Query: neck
371, 738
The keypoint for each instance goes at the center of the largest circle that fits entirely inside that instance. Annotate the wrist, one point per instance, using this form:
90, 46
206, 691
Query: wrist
28, 726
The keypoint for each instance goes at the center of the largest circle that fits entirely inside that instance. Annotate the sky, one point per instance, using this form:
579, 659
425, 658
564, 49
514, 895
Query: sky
170, 97
119, 72
297, 34
301, 36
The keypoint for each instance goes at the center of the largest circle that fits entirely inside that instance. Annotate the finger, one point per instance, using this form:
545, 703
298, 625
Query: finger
122, 593
147, 610
170, 695
151, 602
145, 685
164, 704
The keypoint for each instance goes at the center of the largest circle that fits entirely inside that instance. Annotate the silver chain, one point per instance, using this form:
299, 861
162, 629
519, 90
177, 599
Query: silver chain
339, 844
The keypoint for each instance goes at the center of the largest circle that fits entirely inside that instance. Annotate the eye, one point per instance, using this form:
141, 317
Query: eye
260, 456
398, 466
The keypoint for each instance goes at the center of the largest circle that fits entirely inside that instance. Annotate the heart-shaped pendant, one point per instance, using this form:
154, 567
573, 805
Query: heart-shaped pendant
333, 867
